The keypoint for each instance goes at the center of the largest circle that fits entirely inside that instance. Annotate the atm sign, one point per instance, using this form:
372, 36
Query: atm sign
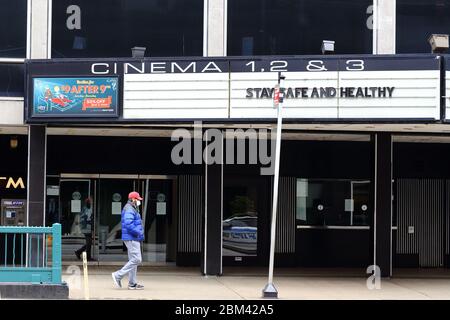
12, 183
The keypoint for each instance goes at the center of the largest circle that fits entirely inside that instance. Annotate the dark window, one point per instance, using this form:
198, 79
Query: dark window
267, 27
417, 20
333, 202
110, 28
13, 28
11, 80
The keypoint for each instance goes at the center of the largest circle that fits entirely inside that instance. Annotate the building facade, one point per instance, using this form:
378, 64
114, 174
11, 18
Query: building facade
364, 176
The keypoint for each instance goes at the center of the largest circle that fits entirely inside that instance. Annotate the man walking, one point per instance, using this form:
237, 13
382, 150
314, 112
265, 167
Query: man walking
132, 235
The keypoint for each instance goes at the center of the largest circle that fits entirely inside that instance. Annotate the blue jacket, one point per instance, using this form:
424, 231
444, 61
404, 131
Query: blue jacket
131, 224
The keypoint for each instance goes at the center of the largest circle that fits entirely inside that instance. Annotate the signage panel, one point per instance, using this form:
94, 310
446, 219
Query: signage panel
175, 95
316, 87
332, 88
447, 89
75, 97
390, 94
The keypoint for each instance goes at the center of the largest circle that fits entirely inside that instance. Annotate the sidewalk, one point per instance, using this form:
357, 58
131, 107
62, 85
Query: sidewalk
187, 283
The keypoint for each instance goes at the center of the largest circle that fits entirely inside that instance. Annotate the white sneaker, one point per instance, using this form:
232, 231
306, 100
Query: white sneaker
116, 282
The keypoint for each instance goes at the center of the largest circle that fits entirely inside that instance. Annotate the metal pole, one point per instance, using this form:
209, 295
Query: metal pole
269, 290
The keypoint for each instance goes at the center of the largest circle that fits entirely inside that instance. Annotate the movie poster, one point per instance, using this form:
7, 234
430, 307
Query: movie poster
75, 97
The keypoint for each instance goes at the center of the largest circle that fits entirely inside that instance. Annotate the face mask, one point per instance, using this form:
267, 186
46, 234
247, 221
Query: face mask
138, 203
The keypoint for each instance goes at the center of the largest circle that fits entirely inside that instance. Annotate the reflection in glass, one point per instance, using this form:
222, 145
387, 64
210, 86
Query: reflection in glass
240, 227
112, 197
74, 198
416, 20
86, 224
159, 229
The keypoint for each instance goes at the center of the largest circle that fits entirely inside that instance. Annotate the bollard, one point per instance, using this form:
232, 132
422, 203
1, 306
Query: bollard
85, 276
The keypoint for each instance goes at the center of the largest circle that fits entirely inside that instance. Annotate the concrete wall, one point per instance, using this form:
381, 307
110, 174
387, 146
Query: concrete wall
40, 32
12, 111
216, 32
384, 24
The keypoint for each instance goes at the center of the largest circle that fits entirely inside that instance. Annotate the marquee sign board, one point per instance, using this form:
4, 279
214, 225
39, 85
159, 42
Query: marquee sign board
322, 87
336, 88
447, 89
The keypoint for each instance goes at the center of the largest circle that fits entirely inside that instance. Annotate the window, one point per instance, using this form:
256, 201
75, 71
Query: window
297, 27
333, 202
13, 43
110, 28
417, 20
11, 79
13, 28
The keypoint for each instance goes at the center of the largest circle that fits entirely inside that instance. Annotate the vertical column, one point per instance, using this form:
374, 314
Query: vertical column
39, 46
56, 254
383, 203
384, 13
215, 28
37, 149
212, 245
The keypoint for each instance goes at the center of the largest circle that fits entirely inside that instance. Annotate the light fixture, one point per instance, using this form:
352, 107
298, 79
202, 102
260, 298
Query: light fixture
138, 52
438, 43
327, 46
13, 142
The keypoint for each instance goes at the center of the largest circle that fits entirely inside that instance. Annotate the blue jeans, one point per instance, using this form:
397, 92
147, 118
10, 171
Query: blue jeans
134, 259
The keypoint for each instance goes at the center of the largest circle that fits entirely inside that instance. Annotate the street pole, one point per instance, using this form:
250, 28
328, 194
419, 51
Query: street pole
269, 290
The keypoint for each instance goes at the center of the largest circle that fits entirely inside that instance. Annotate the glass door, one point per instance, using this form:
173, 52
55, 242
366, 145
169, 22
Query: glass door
112, 197
89, 210
76, 217
159, 220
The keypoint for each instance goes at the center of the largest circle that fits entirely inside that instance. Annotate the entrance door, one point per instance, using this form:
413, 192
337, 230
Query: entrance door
159, 220
103, 198
76, 216
112, 195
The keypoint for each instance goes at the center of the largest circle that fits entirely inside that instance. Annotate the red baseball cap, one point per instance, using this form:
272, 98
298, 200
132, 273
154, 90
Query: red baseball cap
134, 195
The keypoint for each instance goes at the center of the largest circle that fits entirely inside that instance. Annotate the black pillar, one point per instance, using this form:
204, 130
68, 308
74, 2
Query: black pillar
383, 203
212, 227
36, 175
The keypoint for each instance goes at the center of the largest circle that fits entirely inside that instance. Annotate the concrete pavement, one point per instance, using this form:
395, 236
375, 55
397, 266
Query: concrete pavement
187, 283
